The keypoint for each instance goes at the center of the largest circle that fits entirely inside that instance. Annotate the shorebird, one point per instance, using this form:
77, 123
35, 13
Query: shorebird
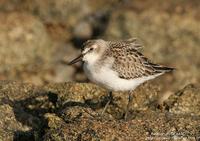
117, 66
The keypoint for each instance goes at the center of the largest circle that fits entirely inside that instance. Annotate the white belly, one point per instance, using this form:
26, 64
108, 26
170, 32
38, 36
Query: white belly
109, 79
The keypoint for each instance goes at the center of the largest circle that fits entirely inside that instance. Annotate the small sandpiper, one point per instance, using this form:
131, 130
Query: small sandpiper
118, 66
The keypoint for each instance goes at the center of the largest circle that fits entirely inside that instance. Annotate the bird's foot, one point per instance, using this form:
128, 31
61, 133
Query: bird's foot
130, 98
126, 115
107, 104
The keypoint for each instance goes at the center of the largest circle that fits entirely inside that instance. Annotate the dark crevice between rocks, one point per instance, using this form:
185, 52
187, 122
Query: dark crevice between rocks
100, 103
64, 106
89, 132
32, 117
88, 103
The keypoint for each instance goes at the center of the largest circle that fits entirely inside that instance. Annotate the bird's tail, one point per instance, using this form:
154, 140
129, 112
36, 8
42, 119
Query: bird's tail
163, 68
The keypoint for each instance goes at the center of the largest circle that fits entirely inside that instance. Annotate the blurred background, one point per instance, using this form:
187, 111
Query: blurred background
38, 36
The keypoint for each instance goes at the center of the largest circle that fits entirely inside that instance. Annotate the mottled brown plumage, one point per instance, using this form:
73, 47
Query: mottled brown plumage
129, 62
129, 43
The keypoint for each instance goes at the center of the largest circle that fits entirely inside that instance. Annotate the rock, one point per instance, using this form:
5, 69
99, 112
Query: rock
96, 97
64, 19
25, 47
76, 92
22, 111
48, 10
83, 30
63, 54
9, 124
60, 17
185, 101
71, 111
146, 127
79, 118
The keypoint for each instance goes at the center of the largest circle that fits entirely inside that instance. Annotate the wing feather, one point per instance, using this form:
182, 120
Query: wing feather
130, 64
129, 43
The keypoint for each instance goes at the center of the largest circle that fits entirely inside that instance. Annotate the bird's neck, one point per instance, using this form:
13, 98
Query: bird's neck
91, 59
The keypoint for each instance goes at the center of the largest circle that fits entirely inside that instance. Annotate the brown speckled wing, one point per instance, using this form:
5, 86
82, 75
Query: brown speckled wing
130, 64
129, 43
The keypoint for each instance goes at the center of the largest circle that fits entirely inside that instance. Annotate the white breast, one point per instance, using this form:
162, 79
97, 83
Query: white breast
109, 79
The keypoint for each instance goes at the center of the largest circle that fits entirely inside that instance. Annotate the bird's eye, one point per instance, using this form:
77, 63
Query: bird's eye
91, 49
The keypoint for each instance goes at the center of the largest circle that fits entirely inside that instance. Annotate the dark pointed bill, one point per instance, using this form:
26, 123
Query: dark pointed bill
79, 58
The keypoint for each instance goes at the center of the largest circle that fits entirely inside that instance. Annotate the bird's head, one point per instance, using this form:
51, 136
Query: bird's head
92, 51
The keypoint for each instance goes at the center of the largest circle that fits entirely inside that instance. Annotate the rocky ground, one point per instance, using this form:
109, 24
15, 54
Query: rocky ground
71, 111
39, 99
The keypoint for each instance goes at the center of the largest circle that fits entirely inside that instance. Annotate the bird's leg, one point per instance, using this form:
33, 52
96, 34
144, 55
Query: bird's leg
130, 98
110, 99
